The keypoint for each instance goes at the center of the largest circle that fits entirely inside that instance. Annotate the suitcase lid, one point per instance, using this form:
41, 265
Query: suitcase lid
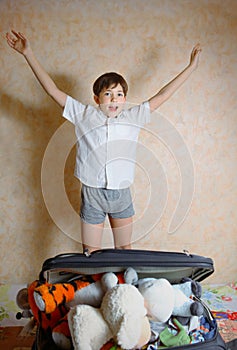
157, 264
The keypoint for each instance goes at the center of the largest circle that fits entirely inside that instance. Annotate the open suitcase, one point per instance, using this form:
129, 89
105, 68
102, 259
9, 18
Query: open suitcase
169, 265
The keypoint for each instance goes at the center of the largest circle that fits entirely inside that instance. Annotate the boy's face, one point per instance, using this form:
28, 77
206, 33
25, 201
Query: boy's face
111, 100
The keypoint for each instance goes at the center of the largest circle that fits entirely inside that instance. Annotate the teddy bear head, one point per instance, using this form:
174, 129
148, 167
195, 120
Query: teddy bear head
123, 309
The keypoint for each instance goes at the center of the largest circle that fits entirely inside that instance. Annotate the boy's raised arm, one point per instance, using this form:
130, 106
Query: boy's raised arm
20, 43
167, 91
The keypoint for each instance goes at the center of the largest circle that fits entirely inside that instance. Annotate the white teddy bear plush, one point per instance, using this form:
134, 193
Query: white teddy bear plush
88, 328
122, 316
163, 299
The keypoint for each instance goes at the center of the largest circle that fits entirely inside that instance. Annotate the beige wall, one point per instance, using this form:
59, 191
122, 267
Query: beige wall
148, 42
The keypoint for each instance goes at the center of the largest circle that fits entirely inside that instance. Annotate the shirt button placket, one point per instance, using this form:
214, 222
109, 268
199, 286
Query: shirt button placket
107, 151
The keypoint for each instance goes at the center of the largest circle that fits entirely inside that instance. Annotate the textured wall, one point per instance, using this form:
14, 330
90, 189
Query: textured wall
188, 152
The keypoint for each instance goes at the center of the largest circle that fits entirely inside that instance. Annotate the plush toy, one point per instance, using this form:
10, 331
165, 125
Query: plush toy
123, 309
51, 324
49, 296
122, 316
163, 299
61, 334
50, 303
23, 303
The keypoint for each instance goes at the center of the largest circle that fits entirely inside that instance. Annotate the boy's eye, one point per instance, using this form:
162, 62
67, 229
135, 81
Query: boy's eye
109, 94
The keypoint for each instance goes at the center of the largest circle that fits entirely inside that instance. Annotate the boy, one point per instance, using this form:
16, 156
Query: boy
107, 138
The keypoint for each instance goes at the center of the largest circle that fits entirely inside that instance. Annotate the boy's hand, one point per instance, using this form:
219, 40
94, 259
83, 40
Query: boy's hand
18, 42
194, 58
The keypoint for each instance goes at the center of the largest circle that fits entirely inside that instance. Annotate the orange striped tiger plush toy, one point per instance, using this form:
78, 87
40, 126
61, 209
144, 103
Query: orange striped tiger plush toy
53, 319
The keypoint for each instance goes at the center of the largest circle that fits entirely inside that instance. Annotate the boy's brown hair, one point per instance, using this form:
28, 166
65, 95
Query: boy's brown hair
109, 79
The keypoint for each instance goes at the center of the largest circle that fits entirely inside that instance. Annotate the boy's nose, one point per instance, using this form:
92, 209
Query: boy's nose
113, 98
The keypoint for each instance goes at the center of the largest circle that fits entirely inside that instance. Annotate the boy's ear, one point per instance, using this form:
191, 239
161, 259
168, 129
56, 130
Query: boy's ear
96, 99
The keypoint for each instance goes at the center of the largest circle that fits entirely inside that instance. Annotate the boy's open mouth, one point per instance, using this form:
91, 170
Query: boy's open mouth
113, 108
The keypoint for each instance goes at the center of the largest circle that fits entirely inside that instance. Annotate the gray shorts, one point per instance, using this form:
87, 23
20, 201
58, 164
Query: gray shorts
97, 202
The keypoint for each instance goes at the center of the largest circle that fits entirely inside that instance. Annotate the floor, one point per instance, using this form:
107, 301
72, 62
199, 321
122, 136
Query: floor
11, 339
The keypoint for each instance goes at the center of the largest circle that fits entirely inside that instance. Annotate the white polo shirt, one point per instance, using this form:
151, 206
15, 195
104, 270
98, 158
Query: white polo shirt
106, 147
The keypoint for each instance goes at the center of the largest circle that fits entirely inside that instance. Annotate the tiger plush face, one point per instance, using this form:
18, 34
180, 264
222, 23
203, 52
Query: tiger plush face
48, 297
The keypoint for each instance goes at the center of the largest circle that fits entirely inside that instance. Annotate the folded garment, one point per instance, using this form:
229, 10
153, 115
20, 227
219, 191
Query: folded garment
174, 337
205, 332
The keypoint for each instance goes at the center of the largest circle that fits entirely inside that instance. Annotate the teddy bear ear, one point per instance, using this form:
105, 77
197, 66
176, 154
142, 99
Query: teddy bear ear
108, 281
129, 332
130, 276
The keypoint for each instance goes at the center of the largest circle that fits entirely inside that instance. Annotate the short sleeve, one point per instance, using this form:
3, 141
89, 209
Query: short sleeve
139, 114
73, 110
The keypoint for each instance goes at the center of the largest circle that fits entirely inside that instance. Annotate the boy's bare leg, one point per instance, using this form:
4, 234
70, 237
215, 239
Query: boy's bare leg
122, 232
91, 236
